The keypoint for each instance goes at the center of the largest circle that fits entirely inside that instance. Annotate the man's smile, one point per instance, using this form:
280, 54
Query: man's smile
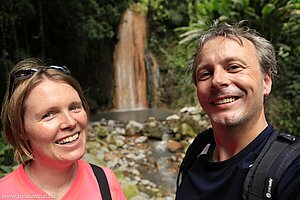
225, 100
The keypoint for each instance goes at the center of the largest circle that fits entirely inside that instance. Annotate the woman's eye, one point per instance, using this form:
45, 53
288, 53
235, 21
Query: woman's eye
47, 115
75, 107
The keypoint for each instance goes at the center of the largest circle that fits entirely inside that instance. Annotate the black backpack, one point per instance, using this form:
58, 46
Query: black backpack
261, 181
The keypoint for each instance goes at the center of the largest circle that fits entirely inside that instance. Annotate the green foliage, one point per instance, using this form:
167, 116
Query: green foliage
97, 20
6, 157
182, 91
80, 34
163, 17
286, 108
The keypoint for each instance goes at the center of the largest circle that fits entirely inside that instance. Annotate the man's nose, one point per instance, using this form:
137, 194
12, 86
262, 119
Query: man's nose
220, 78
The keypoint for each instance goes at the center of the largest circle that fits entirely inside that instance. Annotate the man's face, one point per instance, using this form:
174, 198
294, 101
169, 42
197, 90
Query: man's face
230, 84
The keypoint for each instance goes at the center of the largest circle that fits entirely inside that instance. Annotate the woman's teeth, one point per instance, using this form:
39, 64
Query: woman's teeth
68, 139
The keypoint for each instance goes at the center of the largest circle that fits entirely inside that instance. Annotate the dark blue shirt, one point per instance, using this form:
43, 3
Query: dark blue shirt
207, 180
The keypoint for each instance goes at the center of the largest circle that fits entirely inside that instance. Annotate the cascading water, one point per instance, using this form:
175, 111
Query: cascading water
129, 63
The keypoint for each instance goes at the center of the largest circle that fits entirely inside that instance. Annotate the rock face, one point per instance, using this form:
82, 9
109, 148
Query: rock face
145, 156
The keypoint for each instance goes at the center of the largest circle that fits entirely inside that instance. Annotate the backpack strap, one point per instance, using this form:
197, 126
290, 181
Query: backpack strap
279, 152
102, 182
192, 153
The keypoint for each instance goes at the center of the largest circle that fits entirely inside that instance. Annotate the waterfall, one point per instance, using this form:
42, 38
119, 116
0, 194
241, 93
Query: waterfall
129, 63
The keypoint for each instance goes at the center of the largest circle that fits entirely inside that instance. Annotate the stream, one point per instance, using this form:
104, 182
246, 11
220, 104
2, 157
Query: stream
140, 115
161, 165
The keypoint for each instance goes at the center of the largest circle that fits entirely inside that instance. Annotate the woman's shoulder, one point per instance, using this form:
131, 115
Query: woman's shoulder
7, 177
10, 180
108, 172
114, 184
11, 175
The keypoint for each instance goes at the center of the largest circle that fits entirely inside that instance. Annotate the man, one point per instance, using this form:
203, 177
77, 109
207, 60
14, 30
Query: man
232, 70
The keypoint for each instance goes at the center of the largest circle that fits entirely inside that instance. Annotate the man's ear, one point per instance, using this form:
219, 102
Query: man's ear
267, 84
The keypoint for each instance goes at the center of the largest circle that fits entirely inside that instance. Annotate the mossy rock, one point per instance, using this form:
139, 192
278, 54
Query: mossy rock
130, 190
102, 133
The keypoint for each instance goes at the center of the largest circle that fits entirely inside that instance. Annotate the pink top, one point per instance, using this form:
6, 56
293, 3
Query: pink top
17, 185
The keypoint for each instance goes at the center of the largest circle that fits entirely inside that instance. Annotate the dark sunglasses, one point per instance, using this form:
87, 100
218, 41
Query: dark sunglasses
28, 72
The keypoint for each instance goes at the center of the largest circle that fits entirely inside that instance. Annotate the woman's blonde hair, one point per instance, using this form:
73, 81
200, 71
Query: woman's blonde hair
13, 107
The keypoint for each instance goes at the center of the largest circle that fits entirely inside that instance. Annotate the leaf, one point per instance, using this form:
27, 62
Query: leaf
268, 8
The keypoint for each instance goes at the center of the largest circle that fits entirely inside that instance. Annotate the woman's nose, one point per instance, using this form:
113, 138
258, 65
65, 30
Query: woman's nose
68, 121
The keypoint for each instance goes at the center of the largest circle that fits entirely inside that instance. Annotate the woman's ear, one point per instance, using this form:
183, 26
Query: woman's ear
24, 137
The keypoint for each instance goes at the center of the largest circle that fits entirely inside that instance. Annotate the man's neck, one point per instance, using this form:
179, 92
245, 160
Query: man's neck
231, 140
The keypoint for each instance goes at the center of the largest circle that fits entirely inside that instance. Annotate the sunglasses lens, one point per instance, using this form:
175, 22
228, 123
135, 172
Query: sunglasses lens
60, 68
24, 73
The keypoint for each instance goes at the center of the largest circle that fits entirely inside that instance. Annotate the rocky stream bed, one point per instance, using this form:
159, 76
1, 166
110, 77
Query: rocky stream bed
145, 156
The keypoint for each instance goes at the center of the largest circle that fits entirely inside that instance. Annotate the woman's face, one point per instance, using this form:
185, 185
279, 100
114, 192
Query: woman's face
55, 123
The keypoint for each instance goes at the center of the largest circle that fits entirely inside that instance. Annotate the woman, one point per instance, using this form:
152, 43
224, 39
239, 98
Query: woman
45, 117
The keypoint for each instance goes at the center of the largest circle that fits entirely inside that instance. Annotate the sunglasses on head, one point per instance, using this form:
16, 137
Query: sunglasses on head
28, 72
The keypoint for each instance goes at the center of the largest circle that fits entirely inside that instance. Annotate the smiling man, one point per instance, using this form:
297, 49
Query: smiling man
232, 70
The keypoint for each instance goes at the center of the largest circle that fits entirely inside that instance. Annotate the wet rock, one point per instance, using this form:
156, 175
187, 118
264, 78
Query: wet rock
191, 110
141, 196
146, 168
195, 118
173, 123
92, 147
120, 131
187, 130
112, 147
130, 189
136, 156
111, 125
174, 145
102, 132
116, 139
92, 131
133, 128
141, 139
153, 129
173, 117
90, 158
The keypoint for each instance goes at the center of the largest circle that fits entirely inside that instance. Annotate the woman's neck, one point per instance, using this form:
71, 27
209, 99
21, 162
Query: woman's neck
55, 181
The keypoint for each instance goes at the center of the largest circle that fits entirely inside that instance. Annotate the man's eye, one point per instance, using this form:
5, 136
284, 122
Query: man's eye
203, 75
234, 68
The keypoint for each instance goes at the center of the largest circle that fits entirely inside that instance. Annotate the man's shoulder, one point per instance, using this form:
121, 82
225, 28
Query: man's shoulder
206, 135
293, 150
289, 184
279, 161
198, 144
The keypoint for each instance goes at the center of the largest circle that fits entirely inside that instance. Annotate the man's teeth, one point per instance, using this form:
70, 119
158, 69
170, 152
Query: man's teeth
223, 101
68, 139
